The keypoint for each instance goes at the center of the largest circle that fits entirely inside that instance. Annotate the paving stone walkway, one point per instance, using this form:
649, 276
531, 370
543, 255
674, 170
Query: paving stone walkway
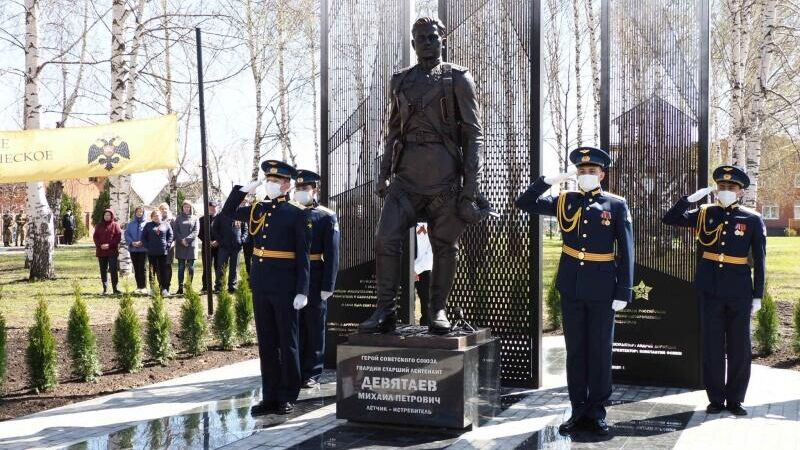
211, 410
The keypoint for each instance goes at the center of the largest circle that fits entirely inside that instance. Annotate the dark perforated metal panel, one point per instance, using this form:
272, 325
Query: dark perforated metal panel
497, 284
655, 81
655, 109
498, 280
363, 43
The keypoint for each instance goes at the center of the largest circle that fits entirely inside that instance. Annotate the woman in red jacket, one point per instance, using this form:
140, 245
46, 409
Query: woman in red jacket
107, 235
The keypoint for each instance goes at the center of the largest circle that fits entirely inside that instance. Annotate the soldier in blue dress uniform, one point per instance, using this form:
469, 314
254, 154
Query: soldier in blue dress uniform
281, 233
726, 233
324, 267
593, 279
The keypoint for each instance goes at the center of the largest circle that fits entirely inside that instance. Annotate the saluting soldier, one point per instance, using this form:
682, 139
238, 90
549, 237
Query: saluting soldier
324, 268
281, 233
726, 233
593, 280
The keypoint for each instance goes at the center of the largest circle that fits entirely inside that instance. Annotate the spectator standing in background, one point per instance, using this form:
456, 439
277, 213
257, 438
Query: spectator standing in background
209, 265
68, 224
185, 228
157, 239
230, 234
107, 235
166, 217
133, 236
422, 267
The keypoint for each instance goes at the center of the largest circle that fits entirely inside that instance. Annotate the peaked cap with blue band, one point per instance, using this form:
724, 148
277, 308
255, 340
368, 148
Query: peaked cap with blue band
590, 155
731, 174
272, 167
306, 177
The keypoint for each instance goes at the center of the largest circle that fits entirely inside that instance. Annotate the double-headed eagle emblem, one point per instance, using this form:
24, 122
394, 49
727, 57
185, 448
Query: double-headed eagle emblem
108, 151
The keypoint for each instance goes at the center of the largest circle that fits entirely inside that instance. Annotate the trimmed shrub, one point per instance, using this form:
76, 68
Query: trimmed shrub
127, 337
194, 327
224, 325
244, 310
41, 353
789, 232
102, 203
553, 303
81, 340
159, 342
767, 325
796, 340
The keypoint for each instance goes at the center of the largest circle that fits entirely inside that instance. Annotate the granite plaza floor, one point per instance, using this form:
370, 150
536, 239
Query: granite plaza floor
210, 410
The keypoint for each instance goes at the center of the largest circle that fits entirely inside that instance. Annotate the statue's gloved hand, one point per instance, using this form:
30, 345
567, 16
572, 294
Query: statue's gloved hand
618, 305
700, 194
300, 301
325, 295
381, 187
561, 177
474, 210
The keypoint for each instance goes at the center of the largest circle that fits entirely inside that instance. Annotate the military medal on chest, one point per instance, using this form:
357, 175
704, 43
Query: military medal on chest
740, 229
606, 218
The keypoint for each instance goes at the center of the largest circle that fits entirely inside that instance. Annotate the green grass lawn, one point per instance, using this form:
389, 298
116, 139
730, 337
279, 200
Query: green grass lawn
783, 268
79, 264
72, 264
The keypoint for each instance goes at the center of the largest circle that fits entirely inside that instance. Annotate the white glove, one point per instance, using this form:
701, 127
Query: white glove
618, 305
325, 295
300, 301
756, 306
251, 187
700, 194
560, 178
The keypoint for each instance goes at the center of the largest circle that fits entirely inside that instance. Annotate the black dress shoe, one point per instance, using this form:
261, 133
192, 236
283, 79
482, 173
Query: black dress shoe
598, 427
736, 409
264, 408
310, 383
714, 408
285, 408
573, 424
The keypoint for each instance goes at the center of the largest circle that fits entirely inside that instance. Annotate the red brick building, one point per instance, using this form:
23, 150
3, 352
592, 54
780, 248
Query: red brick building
779, 190
782, 211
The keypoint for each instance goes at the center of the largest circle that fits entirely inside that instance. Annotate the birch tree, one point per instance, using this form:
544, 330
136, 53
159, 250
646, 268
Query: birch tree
120, 185
576, 26
41, 232
594, 59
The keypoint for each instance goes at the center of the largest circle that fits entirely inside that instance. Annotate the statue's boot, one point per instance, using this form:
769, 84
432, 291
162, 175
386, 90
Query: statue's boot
387, 275
442, 276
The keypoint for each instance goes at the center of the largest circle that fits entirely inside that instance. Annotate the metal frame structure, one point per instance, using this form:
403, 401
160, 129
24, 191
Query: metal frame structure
654, 122
499, 280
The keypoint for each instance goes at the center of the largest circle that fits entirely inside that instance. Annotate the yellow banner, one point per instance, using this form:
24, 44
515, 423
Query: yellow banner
97, 151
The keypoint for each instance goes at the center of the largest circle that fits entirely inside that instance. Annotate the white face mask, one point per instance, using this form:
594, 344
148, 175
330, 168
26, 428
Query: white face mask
273, 189
303, 197
588, 182
726, 198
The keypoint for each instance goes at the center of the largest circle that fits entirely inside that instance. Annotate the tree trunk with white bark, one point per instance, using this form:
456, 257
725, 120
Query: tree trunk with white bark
41, 232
